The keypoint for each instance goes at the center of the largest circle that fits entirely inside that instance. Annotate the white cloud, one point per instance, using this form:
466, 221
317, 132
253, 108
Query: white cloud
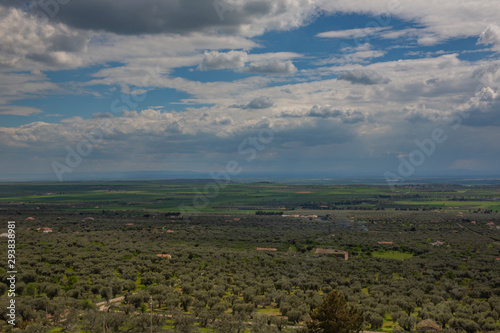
221, 60
482, 109
26, 42
491, 36
265, 63
442, 20
18, 86
351, 33
362, 53
388, 102
342, 114
19, 110
422, 114
261, 102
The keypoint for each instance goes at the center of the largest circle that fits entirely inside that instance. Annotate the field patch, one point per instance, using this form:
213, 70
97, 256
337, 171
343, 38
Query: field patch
392, 255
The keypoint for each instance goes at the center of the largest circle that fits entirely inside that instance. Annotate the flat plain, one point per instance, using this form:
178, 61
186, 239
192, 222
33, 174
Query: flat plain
183, 255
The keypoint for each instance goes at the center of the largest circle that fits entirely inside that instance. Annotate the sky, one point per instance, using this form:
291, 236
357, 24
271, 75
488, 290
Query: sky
389, 88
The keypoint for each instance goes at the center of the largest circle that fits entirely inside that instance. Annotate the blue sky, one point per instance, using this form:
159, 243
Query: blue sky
386, 88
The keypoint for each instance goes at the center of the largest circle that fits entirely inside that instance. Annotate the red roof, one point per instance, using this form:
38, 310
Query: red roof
164, 255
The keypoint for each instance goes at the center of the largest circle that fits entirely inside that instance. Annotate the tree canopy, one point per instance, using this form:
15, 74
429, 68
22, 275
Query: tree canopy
335, 315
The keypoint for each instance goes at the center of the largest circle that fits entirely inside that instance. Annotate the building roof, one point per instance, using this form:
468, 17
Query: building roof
333, 252
161, 255
386, 243
267, 249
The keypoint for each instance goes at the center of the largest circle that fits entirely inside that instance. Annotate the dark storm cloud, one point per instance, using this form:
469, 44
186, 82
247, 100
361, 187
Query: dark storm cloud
328, 111
153, 16
364, 77
271, 66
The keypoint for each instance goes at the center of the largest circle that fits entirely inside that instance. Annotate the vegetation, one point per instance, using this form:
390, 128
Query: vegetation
335, 315
408, 266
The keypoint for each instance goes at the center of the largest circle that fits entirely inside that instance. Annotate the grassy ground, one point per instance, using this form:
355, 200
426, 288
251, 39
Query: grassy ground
392, 255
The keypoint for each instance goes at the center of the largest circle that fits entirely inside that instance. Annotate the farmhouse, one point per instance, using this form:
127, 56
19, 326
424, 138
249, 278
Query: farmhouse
160, 255
332, 252
269, 249
386, 243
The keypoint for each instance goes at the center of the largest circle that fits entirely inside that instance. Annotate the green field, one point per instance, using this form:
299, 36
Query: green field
209, 196
392, 255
